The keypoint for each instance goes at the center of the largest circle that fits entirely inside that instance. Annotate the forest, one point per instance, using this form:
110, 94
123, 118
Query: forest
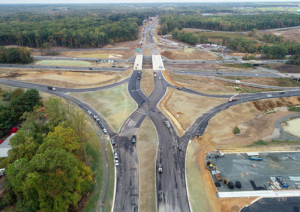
19, 55
45, 167
75, 30
236, 23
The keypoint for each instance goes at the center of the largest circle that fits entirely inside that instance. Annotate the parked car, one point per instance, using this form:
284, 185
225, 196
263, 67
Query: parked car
133, 140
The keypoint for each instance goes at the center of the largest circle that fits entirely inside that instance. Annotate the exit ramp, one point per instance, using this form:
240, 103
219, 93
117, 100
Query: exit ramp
157, 63
138, 63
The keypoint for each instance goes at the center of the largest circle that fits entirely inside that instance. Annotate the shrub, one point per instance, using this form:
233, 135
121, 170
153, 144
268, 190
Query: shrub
236, 130
260, 142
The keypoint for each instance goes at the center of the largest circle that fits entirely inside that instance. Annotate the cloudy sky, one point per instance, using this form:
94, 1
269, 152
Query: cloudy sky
121, 1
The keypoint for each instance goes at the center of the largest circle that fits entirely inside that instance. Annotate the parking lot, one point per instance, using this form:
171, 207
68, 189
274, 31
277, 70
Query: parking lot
238, 167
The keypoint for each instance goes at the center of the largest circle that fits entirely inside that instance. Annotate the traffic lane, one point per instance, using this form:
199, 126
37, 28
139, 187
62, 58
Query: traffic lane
62, 67
159, 91
60, 89
170, 184
225, 74
133, 89
221, 61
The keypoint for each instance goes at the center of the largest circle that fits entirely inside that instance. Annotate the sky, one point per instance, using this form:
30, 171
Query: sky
123, 1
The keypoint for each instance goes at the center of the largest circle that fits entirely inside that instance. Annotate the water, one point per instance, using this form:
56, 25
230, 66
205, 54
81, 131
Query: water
293, 127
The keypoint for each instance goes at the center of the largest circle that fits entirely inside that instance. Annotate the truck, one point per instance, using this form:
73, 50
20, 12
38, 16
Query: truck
167, 122
232, 99
214, 154
51, 88
252, 61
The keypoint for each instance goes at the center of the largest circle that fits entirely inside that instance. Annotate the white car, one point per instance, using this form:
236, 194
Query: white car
269, 95
89, 112
116, 156
105, 131
159, 78
95, 116
117, 162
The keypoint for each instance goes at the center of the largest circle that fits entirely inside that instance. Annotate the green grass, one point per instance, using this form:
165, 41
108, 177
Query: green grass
189, 50
64, 63
114, 104
97, 164
292, 108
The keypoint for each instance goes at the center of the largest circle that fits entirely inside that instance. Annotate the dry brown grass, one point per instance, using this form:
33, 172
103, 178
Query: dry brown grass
193, 54
147, 51
147, 84
292, 34
147, 150
80, 79
198, 66
184, 108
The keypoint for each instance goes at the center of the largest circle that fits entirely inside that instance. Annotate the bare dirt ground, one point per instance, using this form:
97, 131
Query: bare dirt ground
285, 68
108, 54
199, 66
250, 118
209, 85
147, 150
80, 79
272, 81
188, 54
183, 110
147, 83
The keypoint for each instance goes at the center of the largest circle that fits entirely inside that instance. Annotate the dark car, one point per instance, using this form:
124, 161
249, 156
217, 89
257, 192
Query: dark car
203, 62
178, 88
80, 105
139, 78
56, 66
133, 139
179, 147
281, 92
90, 69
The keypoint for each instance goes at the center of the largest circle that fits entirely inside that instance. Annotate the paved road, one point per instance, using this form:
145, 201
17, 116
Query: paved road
75, 68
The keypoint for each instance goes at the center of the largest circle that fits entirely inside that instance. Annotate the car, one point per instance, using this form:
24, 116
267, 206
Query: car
116, 156
113, 142
133, 140
95, 116
269, 95
292, 76
105, 131
178, 88
179, 147
281, 92
256, 74
117, 162
80, 105
203, 62
90, 69
101, 125
159, 77
159, 168
89, 112
173, 62
32, 67
56, 66
97, 119
139, 78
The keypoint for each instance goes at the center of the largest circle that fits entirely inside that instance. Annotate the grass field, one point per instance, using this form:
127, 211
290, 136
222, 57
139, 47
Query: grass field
147, 150
147, 83
63, 63
114, 104
97, 164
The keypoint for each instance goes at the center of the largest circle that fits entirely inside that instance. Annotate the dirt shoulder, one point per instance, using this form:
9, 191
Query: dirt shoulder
284, 68
183, 108
147, 83
188, 54
66, 79
114, 104
198, 66
147, 149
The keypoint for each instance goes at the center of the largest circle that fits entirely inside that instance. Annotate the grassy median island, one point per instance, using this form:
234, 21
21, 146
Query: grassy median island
114, 104
147, 150
63, 63
147, 83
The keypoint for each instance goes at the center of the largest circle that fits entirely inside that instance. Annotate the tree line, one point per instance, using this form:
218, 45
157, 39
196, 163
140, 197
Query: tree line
185, 37
15, 55
45, 166
84, 29
228, 22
